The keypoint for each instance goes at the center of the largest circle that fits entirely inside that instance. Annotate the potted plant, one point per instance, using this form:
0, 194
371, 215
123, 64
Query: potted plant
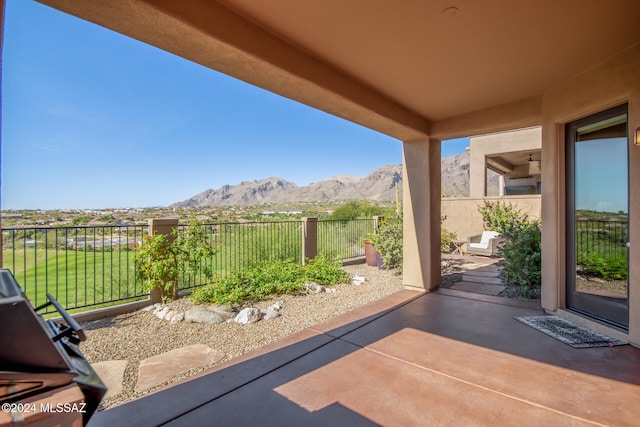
370, 250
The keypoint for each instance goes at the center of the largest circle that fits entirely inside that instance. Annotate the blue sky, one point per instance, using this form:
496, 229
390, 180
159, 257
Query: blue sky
93, 119
601, 175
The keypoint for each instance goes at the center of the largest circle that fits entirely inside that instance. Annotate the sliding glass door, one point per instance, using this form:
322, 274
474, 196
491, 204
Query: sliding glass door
598, 216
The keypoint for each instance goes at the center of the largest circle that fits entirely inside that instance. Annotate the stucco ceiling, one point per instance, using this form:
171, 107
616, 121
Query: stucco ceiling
400, 67
444, 58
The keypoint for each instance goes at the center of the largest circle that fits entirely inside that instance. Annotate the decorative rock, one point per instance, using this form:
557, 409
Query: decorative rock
207, 314
248, 315
270, 313
277, 305
177, 318
314, 287
357, 280
151, 307
162, 312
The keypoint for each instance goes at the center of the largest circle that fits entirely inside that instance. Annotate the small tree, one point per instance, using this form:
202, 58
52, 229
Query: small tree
160, 260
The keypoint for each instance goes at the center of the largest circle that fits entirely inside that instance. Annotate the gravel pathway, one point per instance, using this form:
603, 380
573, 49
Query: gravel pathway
136, 336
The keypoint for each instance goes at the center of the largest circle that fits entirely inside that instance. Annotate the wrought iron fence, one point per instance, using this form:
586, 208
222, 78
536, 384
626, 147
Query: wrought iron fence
80, 266
240, 245
93, 266
602, 237
341, 240
601, 247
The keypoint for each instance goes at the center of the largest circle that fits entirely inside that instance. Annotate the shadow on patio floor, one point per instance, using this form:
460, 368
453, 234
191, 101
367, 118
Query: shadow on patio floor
410, 359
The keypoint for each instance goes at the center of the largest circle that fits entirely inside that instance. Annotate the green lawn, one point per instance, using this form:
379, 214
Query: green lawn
74, 278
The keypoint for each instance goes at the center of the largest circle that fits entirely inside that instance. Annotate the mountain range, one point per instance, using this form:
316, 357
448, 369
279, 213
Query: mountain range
379, 185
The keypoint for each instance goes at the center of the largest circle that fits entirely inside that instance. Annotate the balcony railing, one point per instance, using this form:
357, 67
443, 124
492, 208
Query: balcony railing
90, 267
80, 266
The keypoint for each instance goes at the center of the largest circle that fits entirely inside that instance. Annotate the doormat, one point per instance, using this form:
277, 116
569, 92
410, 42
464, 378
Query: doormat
569, 333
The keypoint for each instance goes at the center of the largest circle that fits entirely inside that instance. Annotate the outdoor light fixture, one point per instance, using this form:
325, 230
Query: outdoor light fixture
637, 140
534, 166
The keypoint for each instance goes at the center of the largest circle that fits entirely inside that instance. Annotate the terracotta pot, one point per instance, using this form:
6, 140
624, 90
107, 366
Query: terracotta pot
370, 254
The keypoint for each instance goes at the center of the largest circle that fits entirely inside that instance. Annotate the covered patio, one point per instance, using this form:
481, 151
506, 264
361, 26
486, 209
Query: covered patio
422, 73
441, 358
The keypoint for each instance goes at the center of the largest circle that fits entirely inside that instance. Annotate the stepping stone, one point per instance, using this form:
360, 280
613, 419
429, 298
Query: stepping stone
482, 273
478, 288
111, 373
161, 368
483, 280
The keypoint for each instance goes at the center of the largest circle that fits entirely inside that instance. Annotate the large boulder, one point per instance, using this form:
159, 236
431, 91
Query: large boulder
248, 315
209, 314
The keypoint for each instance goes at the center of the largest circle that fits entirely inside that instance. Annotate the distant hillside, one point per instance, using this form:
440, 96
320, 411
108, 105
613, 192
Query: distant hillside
379, 185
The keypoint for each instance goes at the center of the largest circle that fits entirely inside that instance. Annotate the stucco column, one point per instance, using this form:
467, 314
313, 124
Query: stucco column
309, 238
477, 172
554, 268
421, 209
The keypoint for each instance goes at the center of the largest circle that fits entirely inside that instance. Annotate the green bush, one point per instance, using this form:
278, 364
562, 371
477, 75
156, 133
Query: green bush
522, 257
159, 260
520, 246
388, 242
356, 209
606, 267
268, 279
446, 237
499, 215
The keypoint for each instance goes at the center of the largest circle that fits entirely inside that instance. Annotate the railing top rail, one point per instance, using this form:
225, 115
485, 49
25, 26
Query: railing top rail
62, 227
208, 224
604, 221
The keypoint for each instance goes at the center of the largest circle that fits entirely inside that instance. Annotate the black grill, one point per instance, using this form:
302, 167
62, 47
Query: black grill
38, 355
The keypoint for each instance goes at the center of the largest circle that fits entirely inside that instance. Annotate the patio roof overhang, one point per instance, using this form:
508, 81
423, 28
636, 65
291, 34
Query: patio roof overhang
421, 73
438, 68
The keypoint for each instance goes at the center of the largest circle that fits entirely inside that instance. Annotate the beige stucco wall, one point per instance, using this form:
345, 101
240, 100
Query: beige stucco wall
614, 82
497, 143
465, 220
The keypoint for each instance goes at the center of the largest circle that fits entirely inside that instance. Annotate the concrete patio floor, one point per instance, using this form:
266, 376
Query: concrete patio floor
441, 358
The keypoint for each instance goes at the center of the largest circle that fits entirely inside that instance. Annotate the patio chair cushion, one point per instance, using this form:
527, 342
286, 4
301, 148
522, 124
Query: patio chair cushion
484, 240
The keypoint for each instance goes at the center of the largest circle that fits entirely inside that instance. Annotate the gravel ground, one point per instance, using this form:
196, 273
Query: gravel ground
139, 335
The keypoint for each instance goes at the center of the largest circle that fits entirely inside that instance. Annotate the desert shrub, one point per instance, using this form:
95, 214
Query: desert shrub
160, 260
357, 209
520, 245
324, 271
499, 215
522, 257
388, 242
606, 267
446, 237
268, 279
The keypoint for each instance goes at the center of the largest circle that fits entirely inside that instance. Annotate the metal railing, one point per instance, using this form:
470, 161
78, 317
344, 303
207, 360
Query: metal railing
342, 240
93, 266
240, 245
602, 237
601, 248
80, 266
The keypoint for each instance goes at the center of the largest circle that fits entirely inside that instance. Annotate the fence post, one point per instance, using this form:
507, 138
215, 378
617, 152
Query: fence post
376, 222
161, 226
309, 238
